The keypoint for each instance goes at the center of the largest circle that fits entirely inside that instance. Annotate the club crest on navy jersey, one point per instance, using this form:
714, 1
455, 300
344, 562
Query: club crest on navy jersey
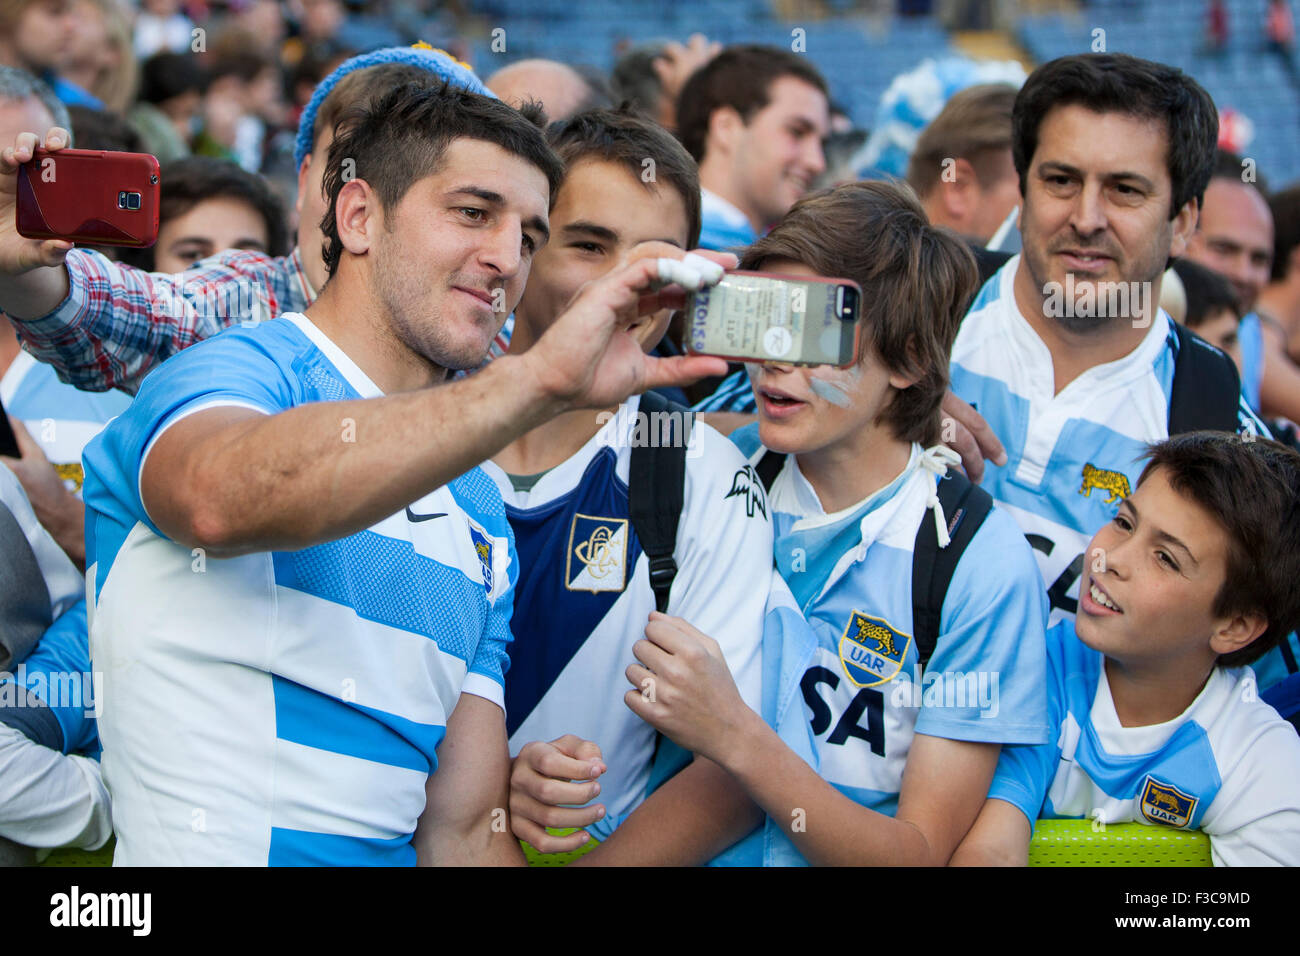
871, 651
597, 554
483, 548
746, 483
1164, 803
1114, 482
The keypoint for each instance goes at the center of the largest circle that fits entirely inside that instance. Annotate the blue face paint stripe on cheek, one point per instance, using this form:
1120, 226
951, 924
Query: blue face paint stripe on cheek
830, 392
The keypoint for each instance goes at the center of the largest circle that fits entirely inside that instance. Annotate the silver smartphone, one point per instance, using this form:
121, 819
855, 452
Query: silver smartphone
766, 317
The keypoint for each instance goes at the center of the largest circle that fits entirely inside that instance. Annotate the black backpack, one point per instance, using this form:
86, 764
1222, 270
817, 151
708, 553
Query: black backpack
655, 494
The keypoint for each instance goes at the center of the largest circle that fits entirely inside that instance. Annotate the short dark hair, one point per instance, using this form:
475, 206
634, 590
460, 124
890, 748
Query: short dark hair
184, 183
634, 80
916, 279
165, 76
104, 129
1285, 206
740, 77
1252, 488
1228, 165
623, 137
401, 138
1208, 293
1118, 83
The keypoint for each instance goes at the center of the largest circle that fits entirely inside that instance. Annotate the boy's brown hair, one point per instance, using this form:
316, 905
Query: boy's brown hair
916, 279
1252, 487
645, 149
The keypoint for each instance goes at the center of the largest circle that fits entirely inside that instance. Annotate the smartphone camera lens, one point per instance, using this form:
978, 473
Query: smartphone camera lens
128, 200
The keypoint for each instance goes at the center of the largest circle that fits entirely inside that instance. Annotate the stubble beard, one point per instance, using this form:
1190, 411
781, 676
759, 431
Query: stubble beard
1082, 325
401, 290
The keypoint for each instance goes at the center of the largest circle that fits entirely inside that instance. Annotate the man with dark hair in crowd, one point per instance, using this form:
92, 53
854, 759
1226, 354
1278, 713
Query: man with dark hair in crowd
754, 118
1065, 351
651, 76
325, 469
1234, 237
206, 206
1278, 305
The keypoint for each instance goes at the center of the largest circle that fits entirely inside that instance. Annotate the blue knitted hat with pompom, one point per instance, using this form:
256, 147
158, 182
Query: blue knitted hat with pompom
435, 61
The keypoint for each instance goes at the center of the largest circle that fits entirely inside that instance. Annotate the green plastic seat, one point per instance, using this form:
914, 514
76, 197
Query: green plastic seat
556, 859
1076, 843
69, 856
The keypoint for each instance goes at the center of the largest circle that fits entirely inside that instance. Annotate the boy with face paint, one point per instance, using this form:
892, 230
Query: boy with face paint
859, 477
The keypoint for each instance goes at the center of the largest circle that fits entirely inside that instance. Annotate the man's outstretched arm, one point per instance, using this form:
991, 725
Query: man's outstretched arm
233, 481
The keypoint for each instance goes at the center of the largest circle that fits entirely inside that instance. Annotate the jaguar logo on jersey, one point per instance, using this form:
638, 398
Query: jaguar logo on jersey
1113, 481
871, 651
746, 483
71, 474
1165, 803
597, 554
483, 548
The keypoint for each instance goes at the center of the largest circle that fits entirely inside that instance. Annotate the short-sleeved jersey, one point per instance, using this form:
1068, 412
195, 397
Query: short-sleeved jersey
865, 693
1227, 765
1071, 456
282, 707
584, 595
61, 418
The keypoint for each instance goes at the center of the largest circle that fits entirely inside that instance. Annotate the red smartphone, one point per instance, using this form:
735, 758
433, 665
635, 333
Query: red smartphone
89, 195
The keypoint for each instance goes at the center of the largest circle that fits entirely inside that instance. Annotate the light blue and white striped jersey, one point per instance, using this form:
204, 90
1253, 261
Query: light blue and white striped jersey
282, 707
1250, 337
864, 692
1070, 457
723, 227
60, 417
583, 596
1227, 765
733, 394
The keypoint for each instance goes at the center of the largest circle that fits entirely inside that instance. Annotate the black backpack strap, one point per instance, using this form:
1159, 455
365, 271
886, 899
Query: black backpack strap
655, 491
1207, 389
965, 506
768, 467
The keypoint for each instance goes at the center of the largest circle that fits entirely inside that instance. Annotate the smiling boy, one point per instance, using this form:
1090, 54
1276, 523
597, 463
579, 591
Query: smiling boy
1155, 715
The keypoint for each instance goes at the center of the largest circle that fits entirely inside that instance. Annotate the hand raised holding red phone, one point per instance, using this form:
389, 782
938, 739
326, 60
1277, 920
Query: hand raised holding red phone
18, 253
